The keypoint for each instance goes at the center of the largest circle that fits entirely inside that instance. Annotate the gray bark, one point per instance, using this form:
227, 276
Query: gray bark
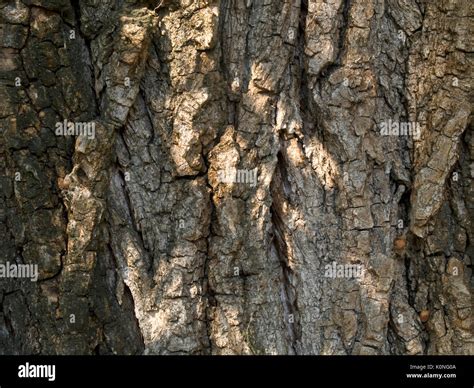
143, 248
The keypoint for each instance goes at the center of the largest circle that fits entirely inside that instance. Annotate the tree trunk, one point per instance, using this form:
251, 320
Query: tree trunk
241, 176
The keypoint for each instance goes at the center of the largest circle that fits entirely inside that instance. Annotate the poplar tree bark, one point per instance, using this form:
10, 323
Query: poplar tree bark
142, 248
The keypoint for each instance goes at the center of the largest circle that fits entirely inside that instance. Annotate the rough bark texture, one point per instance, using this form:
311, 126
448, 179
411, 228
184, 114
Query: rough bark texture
143, 249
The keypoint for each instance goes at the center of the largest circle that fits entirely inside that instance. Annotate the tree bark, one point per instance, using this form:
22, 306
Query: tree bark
238, 171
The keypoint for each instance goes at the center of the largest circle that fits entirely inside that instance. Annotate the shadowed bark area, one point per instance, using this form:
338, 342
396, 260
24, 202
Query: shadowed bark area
237, 177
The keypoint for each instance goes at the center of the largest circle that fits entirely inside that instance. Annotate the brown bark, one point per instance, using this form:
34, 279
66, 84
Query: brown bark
154, 235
